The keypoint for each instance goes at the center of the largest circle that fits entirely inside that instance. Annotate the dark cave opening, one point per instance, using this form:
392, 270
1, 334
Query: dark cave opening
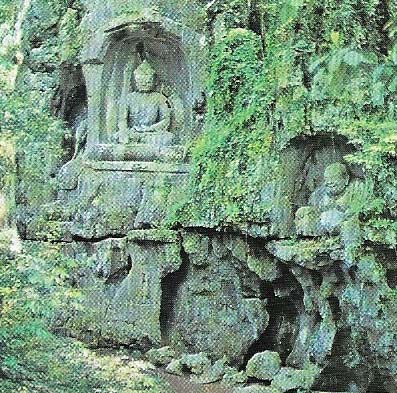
70, 104
336, 376
170, 286
280, 334
377, 385
335, 307
391, 276
76, 104
121, 274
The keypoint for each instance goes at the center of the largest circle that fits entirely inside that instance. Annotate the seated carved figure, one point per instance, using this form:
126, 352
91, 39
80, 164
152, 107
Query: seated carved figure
326, 211
147, 113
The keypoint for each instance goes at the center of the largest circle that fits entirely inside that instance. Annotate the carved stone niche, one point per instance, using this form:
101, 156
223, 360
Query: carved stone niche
139, 88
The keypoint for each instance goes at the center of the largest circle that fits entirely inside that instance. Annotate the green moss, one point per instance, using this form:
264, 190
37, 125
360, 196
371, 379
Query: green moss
192, 242
232, 157
265, 268
317, 68
8, 11
34, 287
326, 69
39, 138
72, 36
305, 251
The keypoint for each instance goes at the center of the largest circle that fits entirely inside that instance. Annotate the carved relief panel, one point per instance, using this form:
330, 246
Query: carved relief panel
139, 88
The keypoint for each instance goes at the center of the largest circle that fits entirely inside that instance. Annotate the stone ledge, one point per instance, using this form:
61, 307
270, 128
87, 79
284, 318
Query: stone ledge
138, 166
154, 235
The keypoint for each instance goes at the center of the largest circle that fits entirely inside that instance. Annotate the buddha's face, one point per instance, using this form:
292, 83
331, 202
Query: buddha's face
144, 82
336, 179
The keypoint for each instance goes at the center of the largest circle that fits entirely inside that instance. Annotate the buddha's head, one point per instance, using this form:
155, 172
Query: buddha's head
336, 178
145, 77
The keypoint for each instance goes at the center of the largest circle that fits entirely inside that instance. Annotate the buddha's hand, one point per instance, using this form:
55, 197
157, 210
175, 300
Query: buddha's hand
141, 129
115, 137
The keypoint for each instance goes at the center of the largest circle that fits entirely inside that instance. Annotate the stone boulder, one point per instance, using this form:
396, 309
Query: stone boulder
175, 367
215, 372
290, 378
197, 364
264, 365
234, 377
161, 356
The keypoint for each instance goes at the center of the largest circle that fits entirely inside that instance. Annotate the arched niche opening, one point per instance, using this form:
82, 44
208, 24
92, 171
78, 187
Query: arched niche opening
126, 50
314, 154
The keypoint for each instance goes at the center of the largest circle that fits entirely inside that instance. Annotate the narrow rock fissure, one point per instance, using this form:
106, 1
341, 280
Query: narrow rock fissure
97, 239
120, 275
264, 342
377, 385
170, 285
331, 378
336, 376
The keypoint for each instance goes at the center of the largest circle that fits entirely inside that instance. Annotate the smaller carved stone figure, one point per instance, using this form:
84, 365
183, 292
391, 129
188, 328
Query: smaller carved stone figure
147, 111
326, 210
336, 179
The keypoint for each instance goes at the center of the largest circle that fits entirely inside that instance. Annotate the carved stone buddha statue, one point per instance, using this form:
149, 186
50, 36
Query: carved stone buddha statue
146, 114
326, 210
146, 123
336, 179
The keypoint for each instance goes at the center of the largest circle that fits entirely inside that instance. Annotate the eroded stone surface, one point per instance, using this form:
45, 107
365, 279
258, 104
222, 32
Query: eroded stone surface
289, 378
264, 365
161, 357
258, 389
233, 377
218, 292
123, 289
215, 372
274, 283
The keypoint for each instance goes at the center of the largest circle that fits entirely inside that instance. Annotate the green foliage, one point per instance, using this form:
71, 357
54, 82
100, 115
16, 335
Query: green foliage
8, 49
42, 16
38, 138
236, 145
8, 11
235, 66
236, 13
34, 288
381, 231
326, 68
71, 36
7, 179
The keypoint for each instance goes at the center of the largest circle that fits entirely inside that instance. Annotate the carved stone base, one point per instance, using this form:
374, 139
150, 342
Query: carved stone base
136, 152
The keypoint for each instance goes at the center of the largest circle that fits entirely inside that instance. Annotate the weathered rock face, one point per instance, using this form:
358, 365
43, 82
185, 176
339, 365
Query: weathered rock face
268, 292
132, 122
130, 104
264, 366
219, 291
128, 294
123, 298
